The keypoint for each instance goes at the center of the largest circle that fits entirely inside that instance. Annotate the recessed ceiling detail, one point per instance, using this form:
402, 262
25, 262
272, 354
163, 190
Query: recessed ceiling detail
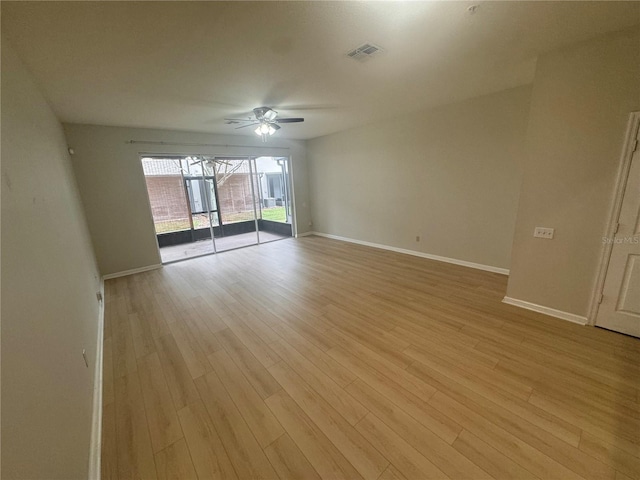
364, 52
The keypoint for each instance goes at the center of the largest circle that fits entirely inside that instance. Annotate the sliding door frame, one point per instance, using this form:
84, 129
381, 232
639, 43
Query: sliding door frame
252, 157
208, 198
252, 179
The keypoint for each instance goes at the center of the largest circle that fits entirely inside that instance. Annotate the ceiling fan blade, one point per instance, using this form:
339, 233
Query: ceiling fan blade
248, 125
293, 108
289, 120
240, 119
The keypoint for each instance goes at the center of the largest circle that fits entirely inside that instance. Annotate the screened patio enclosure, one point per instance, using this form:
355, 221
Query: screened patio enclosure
208, 204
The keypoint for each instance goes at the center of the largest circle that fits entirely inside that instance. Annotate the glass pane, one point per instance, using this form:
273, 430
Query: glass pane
166, 195
234, 191
236, 203
272, 176
178, 207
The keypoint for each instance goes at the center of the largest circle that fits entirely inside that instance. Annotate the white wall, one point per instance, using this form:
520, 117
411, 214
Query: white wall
114, 193
49, 284
450, 175
580, 104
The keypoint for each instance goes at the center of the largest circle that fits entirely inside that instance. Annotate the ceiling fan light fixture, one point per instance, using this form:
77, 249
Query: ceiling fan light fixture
265, 129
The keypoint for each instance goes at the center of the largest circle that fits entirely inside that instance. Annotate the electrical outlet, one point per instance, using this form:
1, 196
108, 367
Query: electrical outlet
543, 232
417, 238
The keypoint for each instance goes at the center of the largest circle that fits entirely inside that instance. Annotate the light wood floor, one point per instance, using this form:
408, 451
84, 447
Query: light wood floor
313, 358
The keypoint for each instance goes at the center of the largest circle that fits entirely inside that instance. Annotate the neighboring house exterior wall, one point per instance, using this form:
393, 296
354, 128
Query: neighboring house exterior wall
167, 198
235, 195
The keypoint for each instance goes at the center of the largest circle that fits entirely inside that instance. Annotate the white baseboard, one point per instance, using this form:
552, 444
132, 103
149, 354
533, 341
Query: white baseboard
455, 261
552, 312
305, 234
95, 448
131, 272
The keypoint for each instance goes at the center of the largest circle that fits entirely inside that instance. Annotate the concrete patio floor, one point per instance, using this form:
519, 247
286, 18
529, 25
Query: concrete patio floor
174, 253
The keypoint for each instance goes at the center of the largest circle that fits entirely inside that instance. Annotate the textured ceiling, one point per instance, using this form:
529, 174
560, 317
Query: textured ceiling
187, 65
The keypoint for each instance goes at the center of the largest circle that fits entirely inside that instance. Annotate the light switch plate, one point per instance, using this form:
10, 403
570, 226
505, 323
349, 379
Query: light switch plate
543, 232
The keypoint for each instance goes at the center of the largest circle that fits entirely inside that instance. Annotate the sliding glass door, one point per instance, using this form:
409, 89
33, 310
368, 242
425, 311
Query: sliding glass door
207, 204
235, 187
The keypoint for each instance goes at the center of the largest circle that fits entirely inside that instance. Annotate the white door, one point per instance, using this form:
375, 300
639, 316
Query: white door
620, 307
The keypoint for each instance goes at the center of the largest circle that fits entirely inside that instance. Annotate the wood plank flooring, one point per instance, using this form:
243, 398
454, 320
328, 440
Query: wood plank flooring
317, 359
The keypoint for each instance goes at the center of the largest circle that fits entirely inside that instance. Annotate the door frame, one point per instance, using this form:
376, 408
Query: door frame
624, 166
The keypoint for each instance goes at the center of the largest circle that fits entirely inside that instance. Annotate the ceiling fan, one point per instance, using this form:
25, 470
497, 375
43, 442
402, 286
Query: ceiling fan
266, 119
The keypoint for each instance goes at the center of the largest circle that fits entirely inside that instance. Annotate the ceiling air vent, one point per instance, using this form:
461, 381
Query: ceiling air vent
364, 52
